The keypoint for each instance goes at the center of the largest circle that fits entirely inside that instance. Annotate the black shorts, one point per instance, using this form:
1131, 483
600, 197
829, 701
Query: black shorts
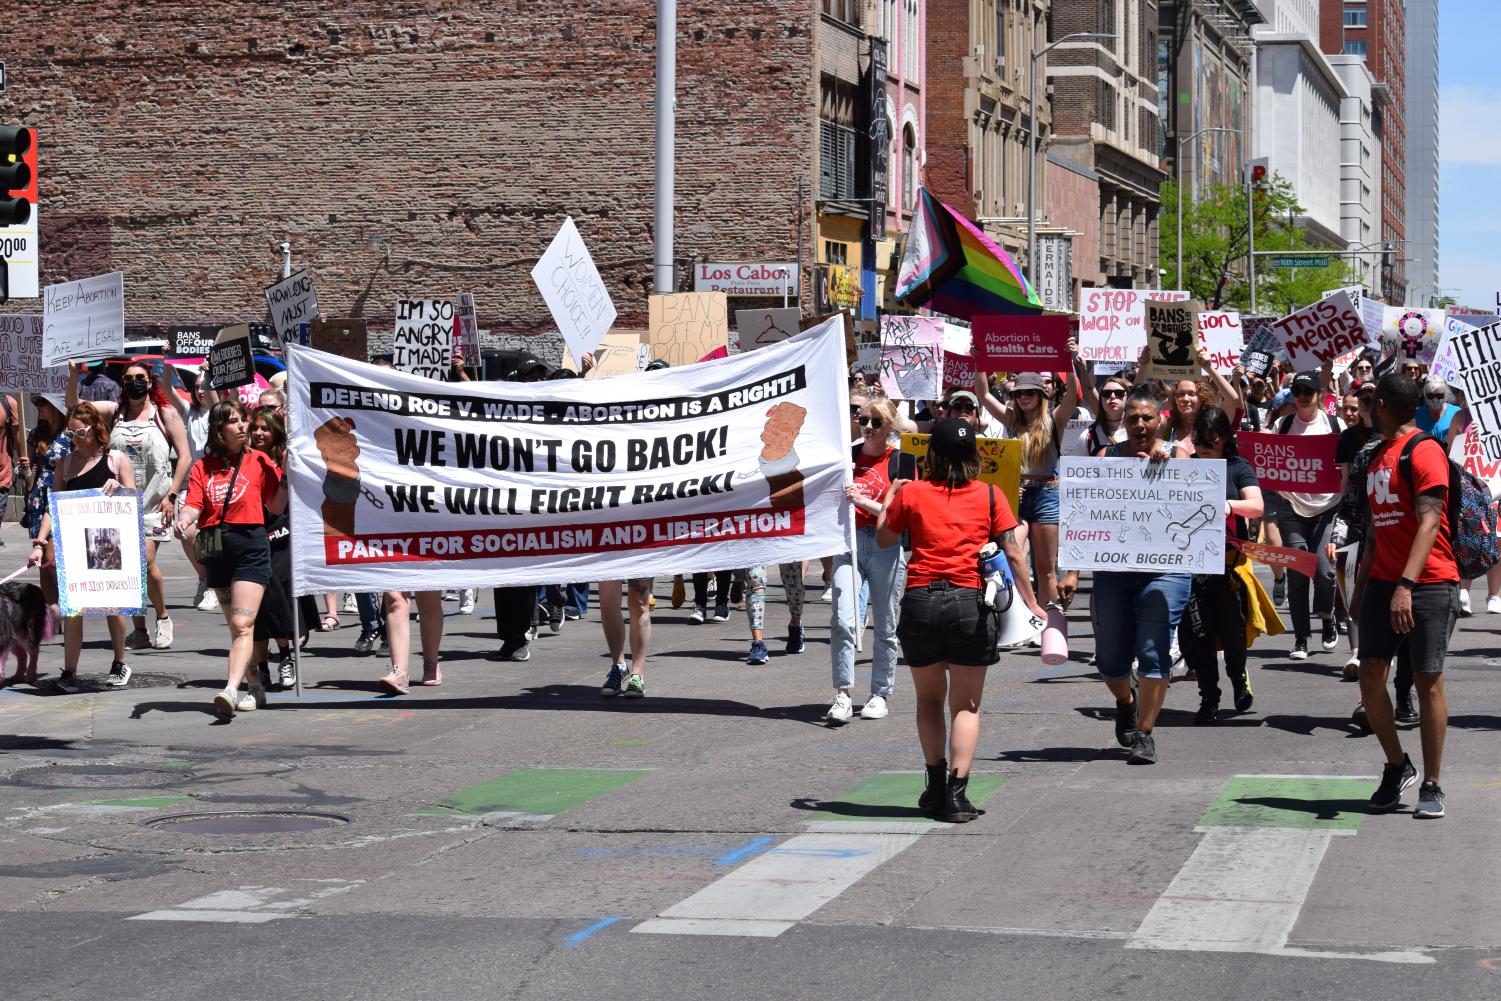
246, 556
943, 623
1435, 609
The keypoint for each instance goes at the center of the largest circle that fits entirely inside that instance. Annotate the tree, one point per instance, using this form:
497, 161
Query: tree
1214, 249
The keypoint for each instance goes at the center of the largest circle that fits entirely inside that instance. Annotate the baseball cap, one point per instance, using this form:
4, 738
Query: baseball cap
1027, 380
1361, 386
1282, 399
954, 440
964, 394
1306, 380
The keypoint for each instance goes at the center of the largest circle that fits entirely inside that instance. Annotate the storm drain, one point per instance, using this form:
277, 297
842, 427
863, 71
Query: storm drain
248, 822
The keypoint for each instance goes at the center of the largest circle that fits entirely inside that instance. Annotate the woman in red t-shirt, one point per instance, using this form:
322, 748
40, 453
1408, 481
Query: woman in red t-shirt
230, 489
948, 634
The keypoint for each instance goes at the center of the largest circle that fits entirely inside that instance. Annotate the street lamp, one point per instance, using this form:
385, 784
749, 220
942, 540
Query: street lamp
1178, 164
1032, 147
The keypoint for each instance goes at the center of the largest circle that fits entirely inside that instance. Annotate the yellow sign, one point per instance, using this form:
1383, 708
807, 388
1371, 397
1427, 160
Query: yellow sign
844, 288
1000, 463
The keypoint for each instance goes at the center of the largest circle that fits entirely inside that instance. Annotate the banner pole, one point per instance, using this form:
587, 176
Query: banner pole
292, 545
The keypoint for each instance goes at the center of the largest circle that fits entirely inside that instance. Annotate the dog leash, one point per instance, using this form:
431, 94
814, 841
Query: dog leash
15, 574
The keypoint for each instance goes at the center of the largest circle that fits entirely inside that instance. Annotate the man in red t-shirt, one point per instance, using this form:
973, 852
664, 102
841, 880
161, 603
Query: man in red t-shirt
1408, 590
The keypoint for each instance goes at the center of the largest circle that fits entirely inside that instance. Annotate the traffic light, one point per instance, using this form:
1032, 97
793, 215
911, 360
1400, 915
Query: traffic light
15, 175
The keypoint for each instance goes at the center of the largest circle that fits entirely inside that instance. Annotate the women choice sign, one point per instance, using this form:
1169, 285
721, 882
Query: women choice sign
1302, 464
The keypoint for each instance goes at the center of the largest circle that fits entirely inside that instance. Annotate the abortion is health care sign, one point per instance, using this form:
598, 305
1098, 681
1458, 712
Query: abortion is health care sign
1301, 464
1022, 343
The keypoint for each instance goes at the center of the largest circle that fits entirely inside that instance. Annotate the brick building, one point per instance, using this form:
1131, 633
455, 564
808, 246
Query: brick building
181, 144
1204, 82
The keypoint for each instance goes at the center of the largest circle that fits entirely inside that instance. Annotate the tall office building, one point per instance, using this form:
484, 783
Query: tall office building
1422, 151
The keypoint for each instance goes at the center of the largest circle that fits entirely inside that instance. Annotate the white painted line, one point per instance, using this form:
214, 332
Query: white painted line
1336, 831
874, 826
1359, 778
783, 885
225, 917
250, 904
1089, 933
720, 926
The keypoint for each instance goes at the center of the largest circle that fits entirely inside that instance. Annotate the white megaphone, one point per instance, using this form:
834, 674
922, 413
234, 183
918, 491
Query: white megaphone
1018, 626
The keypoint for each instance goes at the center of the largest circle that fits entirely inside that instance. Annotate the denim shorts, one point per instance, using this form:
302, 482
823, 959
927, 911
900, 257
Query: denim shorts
1135, 616
1435, 609
942, 623
246, 556
1039, 503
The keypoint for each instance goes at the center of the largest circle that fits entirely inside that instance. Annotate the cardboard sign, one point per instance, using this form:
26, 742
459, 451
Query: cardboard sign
1000, 462
1324, 331
574, 292
1172, 336
622, 352
1022, 343
688, 327
911, 357
424, 338
347, 337
21, 369
1136, 514
466, 330
231, 362
958, 370
83, 319
1301, 464
1295, 560
1478, 353
190, 342
100, 541
760, 327
1221, 338
292, 301
1469, 451
1411, 334
1112, 322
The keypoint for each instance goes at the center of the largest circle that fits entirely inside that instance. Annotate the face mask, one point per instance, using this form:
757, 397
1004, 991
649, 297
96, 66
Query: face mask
136, 390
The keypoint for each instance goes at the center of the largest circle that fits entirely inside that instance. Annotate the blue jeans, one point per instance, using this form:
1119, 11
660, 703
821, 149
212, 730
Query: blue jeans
372, 611
577, 598
1135, 615
885, 570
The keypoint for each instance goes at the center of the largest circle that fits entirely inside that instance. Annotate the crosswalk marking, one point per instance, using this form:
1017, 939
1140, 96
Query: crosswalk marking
250, 905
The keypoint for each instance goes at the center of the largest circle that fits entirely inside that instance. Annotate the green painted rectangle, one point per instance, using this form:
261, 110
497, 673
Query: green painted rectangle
1300, 262
1302, 803
893, 796
547, 791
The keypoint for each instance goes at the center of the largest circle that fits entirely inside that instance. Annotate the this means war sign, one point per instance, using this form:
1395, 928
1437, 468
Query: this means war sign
1324, 331
1136, 514
397, 480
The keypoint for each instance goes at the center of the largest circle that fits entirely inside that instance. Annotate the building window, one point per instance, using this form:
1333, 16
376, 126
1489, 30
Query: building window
835, 252
1355, 17
843, 10
1106, 20
1105, 110
836, 161
909, 168
1354, 48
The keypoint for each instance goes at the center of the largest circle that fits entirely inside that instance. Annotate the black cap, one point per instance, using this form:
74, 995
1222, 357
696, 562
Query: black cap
1306, 380
954, 440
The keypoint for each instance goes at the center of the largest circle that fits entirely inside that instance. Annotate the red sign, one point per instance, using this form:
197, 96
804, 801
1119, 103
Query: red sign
1302, 464
1295, 560
1022, 343
958, 370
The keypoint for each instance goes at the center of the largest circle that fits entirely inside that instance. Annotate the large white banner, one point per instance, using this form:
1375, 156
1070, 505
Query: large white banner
403, 483
1136, 514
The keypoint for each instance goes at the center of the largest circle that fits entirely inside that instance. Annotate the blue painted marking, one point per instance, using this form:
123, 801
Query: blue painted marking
821, 852
743, 852
579, 937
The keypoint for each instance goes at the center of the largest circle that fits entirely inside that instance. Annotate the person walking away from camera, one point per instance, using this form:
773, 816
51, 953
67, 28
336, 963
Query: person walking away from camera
949, 636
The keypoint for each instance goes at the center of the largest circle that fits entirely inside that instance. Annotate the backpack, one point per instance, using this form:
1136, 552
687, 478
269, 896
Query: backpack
1472, 520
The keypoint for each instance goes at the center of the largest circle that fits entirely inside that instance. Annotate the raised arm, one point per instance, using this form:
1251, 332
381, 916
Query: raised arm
1001, 409
1069, 404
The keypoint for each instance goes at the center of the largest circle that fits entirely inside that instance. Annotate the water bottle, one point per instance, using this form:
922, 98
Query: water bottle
995, 571
1055, 637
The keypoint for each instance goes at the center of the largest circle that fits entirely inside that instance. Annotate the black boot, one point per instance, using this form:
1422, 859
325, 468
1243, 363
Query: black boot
935, 791
1209, 708
957, 807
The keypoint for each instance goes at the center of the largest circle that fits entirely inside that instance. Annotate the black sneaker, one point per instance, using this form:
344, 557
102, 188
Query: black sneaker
1407, 707
1143, 749
1331, 635
1394, 779
1209, 709
1244, 700
1430, 802
1125, 722
1279, 592
366, 643
515, 650
1342, 624
721, 613
1300, 650
794, 639
555, 618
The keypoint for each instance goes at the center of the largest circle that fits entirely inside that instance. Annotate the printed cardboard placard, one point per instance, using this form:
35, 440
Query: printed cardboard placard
1323, 331
83, 320
1411, 333
622, 352
911, 357
100, 541
1172, 336
191, 342
1469, 451
424, 338
1112, 322
574, 292
760, 327
1478, 355
292, 301
1301, 464
958, 370
347, 337
1221, 338
231, 362
1022, 343
21, 369
1136, 514
688, 327
397, 481
1000, 463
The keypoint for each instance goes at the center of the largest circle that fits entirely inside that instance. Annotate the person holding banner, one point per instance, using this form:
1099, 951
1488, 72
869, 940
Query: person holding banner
622, 680
46, 447
949, 635
230, 490
12, 451
1306, 520
90, 465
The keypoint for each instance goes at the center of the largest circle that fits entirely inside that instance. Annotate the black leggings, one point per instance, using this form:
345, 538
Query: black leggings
722, 580
1309, 535
1215, 618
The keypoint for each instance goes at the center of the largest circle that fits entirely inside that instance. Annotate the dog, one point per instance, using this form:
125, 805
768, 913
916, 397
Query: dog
25, 621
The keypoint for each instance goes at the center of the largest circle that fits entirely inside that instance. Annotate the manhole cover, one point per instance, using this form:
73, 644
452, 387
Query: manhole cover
95, 777
247, 822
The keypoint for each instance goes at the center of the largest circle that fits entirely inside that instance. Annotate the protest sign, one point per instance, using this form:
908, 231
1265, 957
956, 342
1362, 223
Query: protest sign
347, 337
424, 337
760, 327
1321, 332
688, 327
1477, 353
1298, 463
231, 362
101, 552
911, 357
573, 290
397, 481
1136, 514
466, 331
83, 319
1221, 338
1411, 333
1000, 463
958, 370
1262, 346
1295, 560
1469, 451
620, 353
21, 369
1172, 336
191, 342
958, 339
1445, 365
1022, 343
292, 301
1112, 322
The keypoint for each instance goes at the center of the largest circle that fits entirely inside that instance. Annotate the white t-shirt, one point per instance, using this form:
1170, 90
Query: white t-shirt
197, 422
1311, 505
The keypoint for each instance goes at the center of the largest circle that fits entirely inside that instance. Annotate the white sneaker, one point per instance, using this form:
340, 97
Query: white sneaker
246, 703
874, 708
466, 601
1464, 604
450, 595
209, 602
841, 710
350, 606
139, 639
226, 702
1493, 604
119, 675
163, 637
828, 595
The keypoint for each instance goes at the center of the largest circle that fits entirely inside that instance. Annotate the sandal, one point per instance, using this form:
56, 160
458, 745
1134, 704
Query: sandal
325, 626
394, 681
432, 675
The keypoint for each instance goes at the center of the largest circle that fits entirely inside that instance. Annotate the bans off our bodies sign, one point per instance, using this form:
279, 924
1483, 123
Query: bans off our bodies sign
1298, 464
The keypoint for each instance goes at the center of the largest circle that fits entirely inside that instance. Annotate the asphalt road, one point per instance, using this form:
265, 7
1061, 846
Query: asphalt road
512, 834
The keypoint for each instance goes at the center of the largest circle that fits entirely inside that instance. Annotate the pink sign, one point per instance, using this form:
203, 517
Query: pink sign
1112, 322
1022, 343
1295, 560
958, 370
1301, 464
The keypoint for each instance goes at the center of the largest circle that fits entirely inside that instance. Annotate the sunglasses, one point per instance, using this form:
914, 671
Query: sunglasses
1436, 396
874, 423
139, 380
1026, 392
961, 407
854, 411
1112, 394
